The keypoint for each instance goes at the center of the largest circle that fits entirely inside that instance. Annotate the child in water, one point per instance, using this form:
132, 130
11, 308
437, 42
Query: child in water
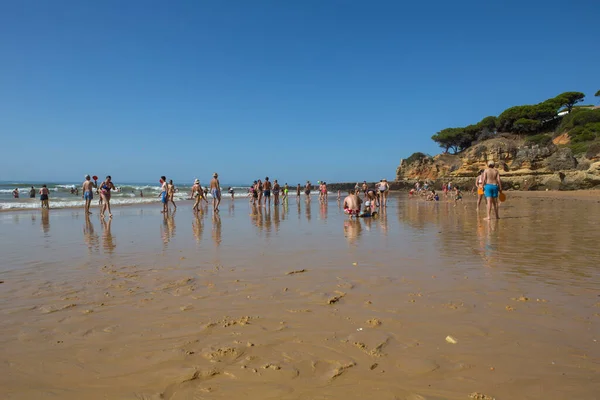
367, 211
457, 195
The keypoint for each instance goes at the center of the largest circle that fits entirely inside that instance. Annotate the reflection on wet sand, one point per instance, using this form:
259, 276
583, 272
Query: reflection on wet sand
198, 226
352, 230
108, 242
216, 229
90, 237
167, 229
46, 221
336, 310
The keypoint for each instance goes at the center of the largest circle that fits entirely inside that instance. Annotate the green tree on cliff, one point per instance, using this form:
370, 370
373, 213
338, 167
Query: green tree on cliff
452, 139
597, 93
569, 99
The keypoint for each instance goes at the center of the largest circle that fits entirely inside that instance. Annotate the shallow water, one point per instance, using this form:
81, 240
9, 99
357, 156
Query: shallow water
188, 307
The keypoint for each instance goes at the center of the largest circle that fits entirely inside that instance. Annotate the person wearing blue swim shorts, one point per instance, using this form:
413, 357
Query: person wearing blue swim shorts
88, 192
164, 194
215, 191
491, 189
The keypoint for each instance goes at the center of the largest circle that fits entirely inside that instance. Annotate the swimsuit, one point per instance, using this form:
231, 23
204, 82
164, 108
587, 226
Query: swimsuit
267, 193
105, 191
216, 193
491, 190
44, 197
351, 212
163, 197
88, 195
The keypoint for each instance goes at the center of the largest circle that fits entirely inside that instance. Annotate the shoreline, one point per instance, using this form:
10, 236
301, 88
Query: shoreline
580, 194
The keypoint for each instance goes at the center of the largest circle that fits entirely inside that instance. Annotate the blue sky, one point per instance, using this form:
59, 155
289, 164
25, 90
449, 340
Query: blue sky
311, 89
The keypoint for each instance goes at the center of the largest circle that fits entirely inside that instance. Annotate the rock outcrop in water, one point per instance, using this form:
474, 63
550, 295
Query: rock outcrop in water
522, 167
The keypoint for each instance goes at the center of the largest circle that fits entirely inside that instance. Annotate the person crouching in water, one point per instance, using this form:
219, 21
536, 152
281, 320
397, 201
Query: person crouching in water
352, 204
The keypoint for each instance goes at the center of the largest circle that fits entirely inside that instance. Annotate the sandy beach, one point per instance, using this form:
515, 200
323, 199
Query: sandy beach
427, 301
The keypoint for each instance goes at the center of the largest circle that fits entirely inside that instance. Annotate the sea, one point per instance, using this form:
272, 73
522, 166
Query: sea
61, 195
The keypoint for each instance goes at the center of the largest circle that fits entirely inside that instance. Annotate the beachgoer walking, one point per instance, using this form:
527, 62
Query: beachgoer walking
259, 185
267, 191
323, 194
44, 194
32, 193
384, 189
479, 188
105, 189
164, 194
171, 191
231, 192
197, 194
307, 190
215, 191
276, 189
88, 192
286, 189
492, 187
298, 190
339, 196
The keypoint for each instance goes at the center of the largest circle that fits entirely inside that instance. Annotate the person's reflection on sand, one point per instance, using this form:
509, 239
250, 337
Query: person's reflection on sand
307, 211
276, 219
352, 230
231, 209
89, 235
323, 209
45, 220
268, 222
198, 226
108, 242
168, 227
485, 230
383, 222
299, 211
216, 230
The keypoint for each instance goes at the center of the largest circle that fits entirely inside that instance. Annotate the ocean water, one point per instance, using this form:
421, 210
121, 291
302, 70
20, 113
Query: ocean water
61, 196
127, 193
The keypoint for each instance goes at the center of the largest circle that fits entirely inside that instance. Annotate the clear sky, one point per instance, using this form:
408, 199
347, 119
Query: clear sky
312, 89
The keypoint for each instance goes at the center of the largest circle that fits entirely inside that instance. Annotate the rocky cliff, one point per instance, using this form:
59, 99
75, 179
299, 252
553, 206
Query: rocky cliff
522, 166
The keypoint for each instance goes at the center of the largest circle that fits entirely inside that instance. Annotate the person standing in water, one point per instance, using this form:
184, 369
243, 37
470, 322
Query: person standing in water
298, 190
198, 195
32, 193
164, 194
171, 193
105, 189
479, 188
16, 193
231, 192
259, 185
286, 189
44, 193
215, 191
276, 190
492, 187
88, 192
307, 190
267, 191
384, 189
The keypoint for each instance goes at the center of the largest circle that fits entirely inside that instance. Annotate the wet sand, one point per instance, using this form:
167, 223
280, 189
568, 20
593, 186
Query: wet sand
300, 303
